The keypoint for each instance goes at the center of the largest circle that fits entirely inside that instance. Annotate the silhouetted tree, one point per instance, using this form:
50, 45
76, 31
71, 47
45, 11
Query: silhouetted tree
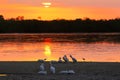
19, 25
1, 18
19, 18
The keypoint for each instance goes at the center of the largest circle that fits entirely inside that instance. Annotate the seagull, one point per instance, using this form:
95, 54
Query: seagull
42, 68
73, 59
60, 60
65, 58
52, 68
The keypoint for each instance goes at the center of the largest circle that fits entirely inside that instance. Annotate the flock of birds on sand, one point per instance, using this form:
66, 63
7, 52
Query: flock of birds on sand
53, 69
65, 59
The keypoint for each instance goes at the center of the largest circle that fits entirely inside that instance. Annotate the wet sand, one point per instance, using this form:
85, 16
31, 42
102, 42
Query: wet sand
83, 71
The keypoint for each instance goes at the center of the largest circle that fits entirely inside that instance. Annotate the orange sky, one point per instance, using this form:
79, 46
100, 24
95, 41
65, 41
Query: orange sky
60, 9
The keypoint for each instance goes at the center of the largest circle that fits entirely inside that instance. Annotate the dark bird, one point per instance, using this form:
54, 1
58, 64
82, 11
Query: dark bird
65, 58
42, 60
83, 59
73, 59
60, 60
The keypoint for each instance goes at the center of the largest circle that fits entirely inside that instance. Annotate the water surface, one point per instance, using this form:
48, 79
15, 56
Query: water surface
31, 47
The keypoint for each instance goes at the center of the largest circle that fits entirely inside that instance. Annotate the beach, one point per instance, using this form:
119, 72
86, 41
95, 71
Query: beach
28, 70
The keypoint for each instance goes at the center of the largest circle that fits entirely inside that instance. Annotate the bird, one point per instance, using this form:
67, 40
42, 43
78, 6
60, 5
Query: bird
42, 68
64, 72
73, 59
83, 59
67, 72
65, 58
71, 72
42, 60
52, 68
42, 72
60, 60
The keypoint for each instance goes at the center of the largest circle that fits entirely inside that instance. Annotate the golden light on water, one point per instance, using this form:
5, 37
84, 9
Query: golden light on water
46, 4
47, 50
51, 49
47, 47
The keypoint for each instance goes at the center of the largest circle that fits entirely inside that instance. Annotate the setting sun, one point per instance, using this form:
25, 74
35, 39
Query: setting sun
60, 9
46, 4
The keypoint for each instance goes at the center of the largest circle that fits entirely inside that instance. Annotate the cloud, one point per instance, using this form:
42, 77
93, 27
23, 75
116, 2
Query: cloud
71, 3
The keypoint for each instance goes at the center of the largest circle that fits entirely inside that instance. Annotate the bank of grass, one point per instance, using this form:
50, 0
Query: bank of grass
83, 70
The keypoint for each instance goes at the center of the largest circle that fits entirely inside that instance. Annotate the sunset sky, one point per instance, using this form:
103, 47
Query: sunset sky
60, 9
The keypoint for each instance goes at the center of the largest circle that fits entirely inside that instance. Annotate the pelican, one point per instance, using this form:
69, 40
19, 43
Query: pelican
63, 72
71, 72
42, 68
60, 60
73, 59
52, 68
67, 72
65, 58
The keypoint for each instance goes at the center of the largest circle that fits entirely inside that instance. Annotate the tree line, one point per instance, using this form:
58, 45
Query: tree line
19, 25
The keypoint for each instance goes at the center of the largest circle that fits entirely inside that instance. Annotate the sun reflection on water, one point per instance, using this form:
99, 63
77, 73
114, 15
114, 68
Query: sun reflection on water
47, 51
47, 47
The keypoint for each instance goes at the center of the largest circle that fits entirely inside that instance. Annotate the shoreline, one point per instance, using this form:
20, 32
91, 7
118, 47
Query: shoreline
83, 71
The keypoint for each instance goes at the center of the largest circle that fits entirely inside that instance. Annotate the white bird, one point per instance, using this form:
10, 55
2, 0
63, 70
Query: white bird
71, 72
67, 72
73, 59
52, 68
63, 72
42, 68
65, 58
42, 72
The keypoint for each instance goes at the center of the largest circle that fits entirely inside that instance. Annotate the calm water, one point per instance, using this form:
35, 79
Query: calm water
31, 47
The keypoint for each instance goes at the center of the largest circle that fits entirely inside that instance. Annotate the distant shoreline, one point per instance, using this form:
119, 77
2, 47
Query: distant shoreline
60, 26
61, 37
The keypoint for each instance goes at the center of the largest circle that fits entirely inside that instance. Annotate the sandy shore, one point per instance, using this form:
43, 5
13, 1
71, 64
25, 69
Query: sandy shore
83, 71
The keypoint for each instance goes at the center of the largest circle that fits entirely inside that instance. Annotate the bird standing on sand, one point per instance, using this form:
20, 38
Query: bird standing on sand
42, 68
60, 60
52, 68
73, 59
65, 58
42, 60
